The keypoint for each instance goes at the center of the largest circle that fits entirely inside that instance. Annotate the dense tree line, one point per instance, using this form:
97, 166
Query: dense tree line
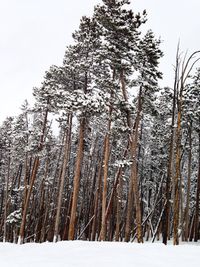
125, 164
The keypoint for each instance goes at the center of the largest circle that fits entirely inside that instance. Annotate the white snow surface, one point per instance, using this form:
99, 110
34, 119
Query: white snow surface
98, 254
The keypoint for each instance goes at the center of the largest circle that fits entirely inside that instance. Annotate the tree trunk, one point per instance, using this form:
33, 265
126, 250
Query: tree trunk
188, 185
133, 184
119, 200
177, 184
77, 174
196, 220
166, 222
25, 210
64, 168
105, 177
6, 201
96, 200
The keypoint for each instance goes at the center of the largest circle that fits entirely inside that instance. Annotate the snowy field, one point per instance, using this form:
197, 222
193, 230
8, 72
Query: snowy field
98, 254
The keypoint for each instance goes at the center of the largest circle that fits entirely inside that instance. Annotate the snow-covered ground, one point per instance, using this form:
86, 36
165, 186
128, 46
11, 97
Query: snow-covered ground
98, 254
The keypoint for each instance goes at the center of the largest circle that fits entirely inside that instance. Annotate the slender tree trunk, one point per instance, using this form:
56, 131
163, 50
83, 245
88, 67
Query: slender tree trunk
64, 168
188, 185
23, 222
177, 179
41, 204
118, 215
77, 174
6, 201
196, 220
166, 222
134, 176
96, 201
105, 177
133, 185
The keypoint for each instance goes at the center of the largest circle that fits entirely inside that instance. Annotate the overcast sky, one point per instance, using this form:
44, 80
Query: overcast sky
34, 34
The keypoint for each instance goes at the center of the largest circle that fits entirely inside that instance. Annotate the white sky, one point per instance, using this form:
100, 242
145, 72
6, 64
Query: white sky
34, 34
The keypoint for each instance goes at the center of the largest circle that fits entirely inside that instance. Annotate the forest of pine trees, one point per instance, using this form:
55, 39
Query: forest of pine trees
105, 153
